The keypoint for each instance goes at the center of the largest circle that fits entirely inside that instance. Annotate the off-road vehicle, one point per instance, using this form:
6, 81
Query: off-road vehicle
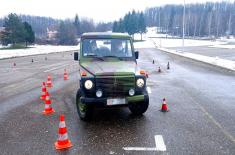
109, 75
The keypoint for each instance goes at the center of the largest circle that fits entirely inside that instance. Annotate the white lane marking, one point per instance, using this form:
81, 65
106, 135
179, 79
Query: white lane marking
160, 146
55, 68
140, 148
149, 90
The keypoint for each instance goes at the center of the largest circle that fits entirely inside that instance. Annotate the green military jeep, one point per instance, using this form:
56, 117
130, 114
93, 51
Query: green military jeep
109, 75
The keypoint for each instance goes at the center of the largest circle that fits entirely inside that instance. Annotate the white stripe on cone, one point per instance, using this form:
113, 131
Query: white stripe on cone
63, 136
47, 98
47, 106
62, 124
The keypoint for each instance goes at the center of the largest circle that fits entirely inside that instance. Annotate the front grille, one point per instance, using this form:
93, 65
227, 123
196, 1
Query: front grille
113, 86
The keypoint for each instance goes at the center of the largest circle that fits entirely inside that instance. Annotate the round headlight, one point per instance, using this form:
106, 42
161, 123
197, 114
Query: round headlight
131, 92
140, 82
88, 84
99, 93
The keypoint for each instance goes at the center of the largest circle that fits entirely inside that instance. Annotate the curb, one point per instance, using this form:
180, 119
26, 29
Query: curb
215, 61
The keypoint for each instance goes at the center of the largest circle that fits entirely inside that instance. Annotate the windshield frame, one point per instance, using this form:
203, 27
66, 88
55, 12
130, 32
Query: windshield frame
111, 56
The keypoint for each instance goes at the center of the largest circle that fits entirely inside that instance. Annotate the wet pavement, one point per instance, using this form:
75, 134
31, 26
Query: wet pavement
200, 98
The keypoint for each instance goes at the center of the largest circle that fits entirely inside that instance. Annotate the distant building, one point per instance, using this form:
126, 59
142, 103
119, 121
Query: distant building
51, 35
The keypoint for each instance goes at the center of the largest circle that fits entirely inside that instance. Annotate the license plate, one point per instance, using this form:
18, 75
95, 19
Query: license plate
116, 101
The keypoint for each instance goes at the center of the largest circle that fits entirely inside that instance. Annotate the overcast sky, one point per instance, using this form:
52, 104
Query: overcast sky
99, 10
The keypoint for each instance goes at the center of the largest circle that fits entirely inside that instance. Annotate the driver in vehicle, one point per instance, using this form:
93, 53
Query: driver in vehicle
94, 47
118, 49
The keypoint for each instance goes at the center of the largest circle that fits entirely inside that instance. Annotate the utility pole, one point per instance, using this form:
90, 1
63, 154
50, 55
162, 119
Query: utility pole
159, 20
183, 26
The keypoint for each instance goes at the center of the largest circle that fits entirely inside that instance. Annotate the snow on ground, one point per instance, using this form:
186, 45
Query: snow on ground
228, 64
164, 40
144, 44
164, 43
170, 42
37, 49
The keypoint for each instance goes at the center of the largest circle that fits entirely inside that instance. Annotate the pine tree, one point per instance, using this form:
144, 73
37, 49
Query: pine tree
141, 24
29, 34
67, 34
77, 25
14, 29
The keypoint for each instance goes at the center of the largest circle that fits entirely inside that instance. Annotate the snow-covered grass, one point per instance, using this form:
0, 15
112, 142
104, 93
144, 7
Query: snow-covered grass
165, 40
34, 50
170, 42
144, 44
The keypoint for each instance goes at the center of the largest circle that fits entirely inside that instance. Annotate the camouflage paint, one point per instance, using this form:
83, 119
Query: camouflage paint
110, 67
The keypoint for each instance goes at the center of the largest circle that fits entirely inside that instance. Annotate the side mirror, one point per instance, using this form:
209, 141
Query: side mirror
76, 56
136, 55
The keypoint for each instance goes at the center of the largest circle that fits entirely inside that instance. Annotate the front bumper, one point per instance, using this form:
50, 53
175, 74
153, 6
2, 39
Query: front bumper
103, 101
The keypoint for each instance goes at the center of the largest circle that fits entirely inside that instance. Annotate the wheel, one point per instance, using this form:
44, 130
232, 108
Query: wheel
139, 108
84, 111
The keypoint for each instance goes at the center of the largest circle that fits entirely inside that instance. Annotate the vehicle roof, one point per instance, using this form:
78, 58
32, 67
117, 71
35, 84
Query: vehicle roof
105, 35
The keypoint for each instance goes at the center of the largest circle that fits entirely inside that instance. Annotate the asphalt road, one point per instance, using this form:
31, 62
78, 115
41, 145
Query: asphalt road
200, 98
209, 51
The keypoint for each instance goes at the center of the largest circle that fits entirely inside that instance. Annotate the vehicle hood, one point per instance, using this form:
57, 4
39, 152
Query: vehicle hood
102, 68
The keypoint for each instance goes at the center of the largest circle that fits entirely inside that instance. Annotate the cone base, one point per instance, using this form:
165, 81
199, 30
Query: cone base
60, 147
48, 112
164, 110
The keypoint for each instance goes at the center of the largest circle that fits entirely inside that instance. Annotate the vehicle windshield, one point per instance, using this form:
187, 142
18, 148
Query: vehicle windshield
120, 48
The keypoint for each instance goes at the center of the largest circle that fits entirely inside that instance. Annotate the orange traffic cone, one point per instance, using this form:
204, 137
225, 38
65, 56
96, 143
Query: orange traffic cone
48, 109
63, 141
159, 69
44, 90
49, 83
65, 75
164, 106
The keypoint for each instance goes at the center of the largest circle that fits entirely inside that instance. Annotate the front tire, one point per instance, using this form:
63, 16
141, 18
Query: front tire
84, 111
139, 108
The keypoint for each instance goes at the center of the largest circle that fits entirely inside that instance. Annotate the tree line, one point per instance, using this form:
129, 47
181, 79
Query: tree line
201, 20
16, 31
70, 30
133, 22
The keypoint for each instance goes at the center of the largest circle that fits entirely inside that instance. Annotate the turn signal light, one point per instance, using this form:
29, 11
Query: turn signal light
83, 73
142, 72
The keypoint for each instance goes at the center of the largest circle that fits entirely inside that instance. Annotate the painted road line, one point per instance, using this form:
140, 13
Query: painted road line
160, 146
149, 90
139, 148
